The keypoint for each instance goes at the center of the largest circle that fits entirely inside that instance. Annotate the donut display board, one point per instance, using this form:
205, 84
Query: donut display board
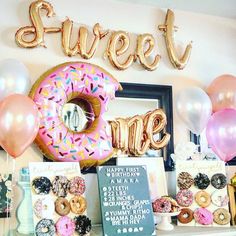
202, 193
125, 201
65, 83
59, 205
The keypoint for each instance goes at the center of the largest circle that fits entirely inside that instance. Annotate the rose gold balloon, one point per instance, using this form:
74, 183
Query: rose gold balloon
222, 92
19, 123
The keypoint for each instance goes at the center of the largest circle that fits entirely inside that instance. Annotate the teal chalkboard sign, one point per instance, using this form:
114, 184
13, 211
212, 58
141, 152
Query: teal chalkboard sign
125, 201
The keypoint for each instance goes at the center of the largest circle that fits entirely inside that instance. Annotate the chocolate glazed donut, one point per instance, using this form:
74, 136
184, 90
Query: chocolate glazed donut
218, 181
185, 216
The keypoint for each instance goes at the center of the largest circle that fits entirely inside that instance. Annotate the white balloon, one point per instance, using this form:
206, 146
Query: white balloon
194, 108
14, 78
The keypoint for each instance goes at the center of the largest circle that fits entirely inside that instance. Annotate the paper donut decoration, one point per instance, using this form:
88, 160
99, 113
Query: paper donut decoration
60, 85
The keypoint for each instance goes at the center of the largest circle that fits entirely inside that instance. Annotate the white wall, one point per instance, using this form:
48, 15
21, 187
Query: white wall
214, 52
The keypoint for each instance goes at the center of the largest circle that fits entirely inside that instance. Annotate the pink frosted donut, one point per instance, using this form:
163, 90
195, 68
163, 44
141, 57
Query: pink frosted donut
184, 197
162, 205
65, 226
203, 216
60, 85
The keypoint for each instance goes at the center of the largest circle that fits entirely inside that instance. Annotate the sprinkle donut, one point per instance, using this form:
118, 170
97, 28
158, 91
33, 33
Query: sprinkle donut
78, 205
44, 208
218, 181
82, 225
65, 226
184, 198
41, 185
60, 85
161, 205
77, 186
203, 199
185, 216
221, 216
45, 227
219, 198
62, 206
203, 216
60, 186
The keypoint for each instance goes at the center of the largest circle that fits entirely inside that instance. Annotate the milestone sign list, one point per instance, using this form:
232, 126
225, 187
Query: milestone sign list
125, 201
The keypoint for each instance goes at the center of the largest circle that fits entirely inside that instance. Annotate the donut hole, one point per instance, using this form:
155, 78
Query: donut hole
45, 230
186, 215
221, 216
77, 115
203, 199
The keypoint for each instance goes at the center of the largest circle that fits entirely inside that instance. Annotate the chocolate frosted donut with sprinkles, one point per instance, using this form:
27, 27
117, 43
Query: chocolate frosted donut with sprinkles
218, 181
82, 225
184, 180
41, 185
201, 181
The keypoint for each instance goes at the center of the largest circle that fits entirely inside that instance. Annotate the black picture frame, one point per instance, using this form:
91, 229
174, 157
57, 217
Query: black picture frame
163, 93
194, 138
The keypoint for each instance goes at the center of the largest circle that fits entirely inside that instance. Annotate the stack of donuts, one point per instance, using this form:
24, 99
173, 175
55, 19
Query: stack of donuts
69, 207
203, 198
165, 204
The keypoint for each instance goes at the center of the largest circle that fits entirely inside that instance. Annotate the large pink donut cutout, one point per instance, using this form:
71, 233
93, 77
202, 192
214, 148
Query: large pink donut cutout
58, 86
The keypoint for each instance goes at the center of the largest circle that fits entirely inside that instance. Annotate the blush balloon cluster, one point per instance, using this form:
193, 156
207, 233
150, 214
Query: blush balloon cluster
19, 116
214, 110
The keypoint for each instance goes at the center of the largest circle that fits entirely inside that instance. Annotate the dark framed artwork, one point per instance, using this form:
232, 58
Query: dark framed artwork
138, 99
195, 139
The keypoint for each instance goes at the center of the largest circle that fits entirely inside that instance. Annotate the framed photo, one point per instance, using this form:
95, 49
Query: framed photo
232, 203
138, 99
155, 172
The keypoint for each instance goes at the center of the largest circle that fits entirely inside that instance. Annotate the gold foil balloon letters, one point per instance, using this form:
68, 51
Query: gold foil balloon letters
135, 135
169, 29
118, 43
37, 27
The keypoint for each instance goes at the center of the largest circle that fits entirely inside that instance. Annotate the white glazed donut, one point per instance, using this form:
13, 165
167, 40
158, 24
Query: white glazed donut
44, 208
219, 198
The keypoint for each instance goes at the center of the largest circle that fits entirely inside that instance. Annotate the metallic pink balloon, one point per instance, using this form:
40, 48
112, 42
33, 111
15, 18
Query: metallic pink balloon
19, 123
221, 134
222, 92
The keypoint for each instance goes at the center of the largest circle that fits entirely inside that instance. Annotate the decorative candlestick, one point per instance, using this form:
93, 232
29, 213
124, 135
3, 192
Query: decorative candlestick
25, 211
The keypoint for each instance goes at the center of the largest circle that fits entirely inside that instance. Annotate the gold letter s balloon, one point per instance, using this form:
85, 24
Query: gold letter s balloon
62, 84
19, 123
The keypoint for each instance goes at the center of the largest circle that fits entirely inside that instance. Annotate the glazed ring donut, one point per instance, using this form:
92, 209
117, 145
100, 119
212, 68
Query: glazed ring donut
201, 181
60, 186
82, 225
219, 198
44, 208
221, 216
78, 205
77, 186
184, 198
41, 185
185, 216
218, 181
65, 226
184, 180
203, 199
62, 206
45, 227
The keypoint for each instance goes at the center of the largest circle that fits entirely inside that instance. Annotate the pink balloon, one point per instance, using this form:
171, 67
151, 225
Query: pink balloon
222, 92
19, 123
221, 134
